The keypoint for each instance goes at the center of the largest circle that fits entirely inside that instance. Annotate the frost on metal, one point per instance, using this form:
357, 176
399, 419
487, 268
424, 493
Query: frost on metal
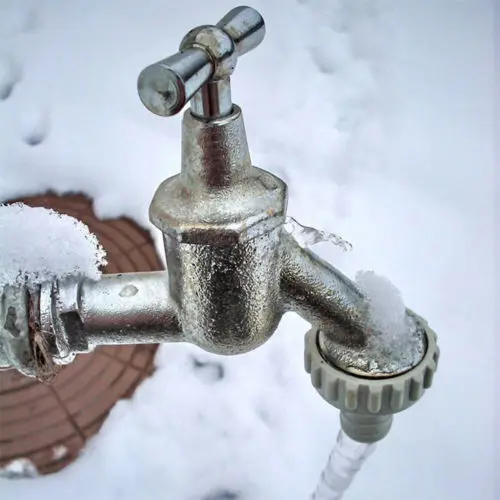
392, 328
38, 244
307, 236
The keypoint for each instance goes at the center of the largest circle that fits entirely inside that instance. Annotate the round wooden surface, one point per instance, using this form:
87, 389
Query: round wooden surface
49, 424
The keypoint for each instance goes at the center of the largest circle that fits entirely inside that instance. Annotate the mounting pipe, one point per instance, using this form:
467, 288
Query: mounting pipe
232, 268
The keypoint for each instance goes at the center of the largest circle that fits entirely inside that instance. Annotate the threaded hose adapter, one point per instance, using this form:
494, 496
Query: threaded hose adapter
367, 404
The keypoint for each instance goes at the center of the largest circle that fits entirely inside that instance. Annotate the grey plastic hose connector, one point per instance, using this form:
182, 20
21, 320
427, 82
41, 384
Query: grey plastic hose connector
367, 404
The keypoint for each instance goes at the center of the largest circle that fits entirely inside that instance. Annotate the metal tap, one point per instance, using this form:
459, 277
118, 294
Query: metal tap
232, 269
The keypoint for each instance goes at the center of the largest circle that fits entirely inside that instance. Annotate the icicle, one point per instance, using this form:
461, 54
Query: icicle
344, 462
307, 236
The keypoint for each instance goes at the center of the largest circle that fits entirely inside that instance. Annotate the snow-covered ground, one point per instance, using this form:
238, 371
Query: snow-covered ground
379, 115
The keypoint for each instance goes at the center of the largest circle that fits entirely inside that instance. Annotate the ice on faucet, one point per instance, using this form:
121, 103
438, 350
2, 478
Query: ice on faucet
307, 236
38, 244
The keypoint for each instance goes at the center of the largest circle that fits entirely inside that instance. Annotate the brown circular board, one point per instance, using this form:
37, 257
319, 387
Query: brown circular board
49, 424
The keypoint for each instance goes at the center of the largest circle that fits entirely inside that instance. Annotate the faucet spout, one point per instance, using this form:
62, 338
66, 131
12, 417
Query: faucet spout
322, 295
337, 308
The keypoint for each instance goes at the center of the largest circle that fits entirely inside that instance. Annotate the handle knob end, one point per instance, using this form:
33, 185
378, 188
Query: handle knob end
166, 86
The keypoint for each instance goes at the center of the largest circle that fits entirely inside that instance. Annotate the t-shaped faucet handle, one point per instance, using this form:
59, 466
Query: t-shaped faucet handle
201, 69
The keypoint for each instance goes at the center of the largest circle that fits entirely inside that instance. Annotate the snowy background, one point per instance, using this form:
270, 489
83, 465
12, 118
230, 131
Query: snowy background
379, 114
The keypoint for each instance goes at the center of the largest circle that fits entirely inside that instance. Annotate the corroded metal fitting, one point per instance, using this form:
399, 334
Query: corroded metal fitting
23, 343
15, 345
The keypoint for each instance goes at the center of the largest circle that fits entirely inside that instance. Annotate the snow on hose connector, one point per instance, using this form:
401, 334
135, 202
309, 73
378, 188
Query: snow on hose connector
368, 400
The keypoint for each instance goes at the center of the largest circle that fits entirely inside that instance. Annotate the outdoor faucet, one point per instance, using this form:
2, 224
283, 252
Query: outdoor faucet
232, 268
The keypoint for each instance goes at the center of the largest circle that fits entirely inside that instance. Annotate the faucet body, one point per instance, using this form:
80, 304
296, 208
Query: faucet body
232, 268
232, 272
222, 221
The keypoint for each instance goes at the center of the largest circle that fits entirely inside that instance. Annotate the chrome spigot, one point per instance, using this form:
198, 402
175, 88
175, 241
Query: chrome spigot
200, 72
232, 268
